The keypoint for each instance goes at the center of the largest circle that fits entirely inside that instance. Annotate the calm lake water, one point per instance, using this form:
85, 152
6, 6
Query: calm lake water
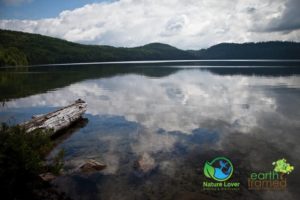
177, 115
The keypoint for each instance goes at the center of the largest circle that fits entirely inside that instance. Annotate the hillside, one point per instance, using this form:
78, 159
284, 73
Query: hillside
19, 48
261, 50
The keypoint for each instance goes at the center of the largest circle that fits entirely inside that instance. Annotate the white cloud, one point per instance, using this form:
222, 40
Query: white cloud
190, 24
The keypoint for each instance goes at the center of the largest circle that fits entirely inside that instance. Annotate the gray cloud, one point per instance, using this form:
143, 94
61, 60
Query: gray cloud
175, 25
250, 10
289, 19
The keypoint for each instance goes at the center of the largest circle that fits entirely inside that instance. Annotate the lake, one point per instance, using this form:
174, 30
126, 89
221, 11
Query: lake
176, 116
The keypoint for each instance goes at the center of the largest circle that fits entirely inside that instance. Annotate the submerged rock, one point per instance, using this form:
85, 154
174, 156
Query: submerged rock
92, 166
145, 163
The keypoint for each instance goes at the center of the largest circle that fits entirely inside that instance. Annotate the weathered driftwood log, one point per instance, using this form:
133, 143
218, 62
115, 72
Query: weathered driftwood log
58, 119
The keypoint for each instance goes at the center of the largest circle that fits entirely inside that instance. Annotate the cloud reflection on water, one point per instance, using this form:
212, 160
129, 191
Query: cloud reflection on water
186, 101
182, 102
254, 119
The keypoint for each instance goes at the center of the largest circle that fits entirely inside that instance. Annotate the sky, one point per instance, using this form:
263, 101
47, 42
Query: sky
188, 24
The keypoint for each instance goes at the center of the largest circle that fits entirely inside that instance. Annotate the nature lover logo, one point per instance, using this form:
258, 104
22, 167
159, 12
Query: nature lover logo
221, 173
219, 170
272, 180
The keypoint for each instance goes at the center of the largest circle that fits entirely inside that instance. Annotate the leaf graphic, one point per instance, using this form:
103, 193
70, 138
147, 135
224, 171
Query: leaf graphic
209, 171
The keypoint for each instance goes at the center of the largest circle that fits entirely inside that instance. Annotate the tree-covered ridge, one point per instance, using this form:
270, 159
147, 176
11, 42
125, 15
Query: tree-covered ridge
260, 50
19, 48
40, 49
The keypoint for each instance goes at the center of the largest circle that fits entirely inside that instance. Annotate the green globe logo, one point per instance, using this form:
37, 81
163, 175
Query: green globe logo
219, 169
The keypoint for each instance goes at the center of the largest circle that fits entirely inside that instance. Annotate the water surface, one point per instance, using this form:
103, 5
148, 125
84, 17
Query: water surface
179, 115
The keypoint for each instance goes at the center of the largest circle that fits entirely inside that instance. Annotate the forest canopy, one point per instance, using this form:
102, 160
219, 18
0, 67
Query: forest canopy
19, 49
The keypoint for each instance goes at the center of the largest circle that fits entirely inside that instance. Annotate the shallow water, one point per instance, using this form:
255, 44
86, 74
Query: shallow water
179, 116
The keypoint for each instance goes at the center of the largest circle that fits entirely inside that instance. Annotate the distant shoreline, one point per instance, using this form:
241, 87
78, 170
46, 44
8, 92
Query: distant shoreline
164, 61
173, 61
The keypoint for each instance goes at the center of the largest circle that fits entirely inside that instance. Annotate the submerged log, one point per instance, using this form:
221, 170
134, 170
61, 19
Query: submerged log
58, 119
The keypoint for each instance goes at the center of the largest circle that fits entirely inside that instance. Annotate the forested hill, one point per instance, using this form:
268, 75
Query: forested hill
262, 50
22, 48
19, 48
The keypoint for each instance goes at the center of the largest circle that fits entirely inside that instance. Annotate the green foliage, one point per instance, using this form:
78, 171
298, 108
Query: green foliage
260, 50
58, 162
22, 159
13, 57
47, 50
19, 48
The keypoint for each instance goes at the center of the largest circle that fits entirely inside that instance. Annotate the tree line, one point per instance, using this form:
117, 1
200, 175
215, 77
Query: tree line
20, 48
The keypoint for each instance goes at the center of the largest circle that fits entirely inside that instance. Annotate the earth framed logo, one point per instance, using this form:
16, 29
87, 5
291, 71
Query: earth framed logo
219, 171
275, 179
